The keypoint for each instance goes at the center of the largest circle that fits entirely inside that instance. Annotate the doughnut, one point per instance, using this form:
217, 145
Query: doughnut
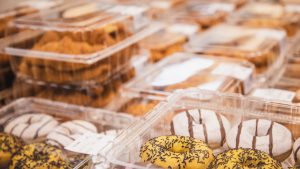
67, 132
296, 150
177, 152
260, 134
244, 158
202, 124
30, 127
39, 156
9, 145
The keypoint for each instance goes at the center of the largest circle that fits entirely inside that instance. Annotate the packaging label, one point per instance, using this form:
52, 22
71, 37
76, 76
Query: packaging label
213, 85
180, 72
186, 29
272, 94
90, 143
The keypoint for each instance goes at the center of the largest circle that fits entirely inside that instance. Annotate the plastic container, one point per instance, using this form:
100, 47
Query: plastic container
6, 96
6, 78
270, 15
265, 48
103, 120
185, 70
89, 94
80, 42
205, 14
235, 108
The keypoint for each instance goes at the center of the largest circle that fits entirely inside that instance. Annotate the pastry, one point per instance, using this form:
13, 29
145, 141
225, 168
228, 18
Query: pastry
69, 131
170, 152
138, 107
30, 127
9, 145
39, 156
296, 151
270, 137
245, 158
206, 125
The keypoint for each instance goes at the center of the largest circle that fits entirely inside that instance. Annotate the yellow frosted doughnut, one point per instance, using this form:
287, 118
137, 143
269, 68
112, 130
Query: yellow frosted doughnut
177, 152
245, 158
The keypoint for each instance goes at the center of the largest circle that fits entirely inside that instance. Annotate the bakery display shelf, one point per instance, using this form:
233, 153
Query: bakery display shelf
265, 48
228, 112
269, 15
86, 46
185, 70
65, 123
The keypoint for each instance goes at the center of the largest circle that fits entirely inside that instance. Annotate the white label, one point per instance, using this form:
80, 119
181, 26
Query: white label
161, 4
90, 143
137, 12
186, 29
180, 72
213, 86
274, 94
233, 70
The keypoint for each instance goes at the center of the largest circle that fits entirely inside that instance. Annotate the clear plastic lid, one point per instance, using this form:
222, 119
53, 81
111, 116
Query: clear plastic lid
59, 115
263, 47
227, 111
79, 42
271, 15
184, 70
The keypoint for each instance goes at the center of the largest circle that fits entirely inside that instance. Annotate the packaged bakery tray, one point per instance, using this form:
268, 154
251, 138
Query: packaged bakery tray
204, 13
223, 121
49, 128
270, 15
79, 42
185, 70
89, 94
135, 104
263, 47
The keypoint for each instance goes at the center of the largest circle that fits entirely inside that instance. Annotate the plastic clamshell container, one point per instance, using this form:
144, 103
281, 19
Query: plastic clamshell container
135, 104
265, 48
80, 42
204, 13
185, 70
103, 120
89, 94
235, 108
270, 15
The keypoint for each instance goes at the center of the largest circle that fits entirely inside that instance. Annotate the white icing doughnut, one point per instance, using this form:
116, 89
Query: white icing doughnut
296, 149
69, 131
206, 125
264, 135
30, 126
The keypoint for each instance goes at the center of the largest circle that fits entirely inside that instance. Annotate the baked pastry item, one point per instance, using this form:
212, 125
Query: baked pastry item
39, 156
245, 158
69, 131
163, 44
30, 127
9, 145
205, 125
177, 152
138, 106
260, 134
296, 151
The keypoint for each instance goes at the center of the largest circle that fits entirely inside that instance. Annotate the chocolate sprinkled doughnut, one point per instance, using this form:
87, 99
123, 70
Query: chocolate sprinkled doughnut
172, 152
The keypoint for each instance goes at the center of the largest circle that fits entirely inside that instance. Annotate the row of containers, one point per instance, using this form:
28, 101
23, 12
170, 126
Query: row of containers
98, 79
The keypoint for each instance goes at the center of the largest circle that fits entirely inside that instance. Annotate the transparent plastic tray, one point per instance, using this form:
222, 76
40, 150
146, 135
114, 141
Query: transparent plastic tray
235, 108
204, 13
90, 94
270, 15
185, 70
102, 119
263, 47
65, 46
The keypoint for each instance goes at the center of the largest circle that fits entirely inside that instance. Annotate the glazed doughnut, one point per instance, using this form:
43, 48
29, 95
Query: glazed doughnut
177, 152
30, 127
41, 156
296, 149
9, 145
202, 124
244, 158
260, 134
67, 132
